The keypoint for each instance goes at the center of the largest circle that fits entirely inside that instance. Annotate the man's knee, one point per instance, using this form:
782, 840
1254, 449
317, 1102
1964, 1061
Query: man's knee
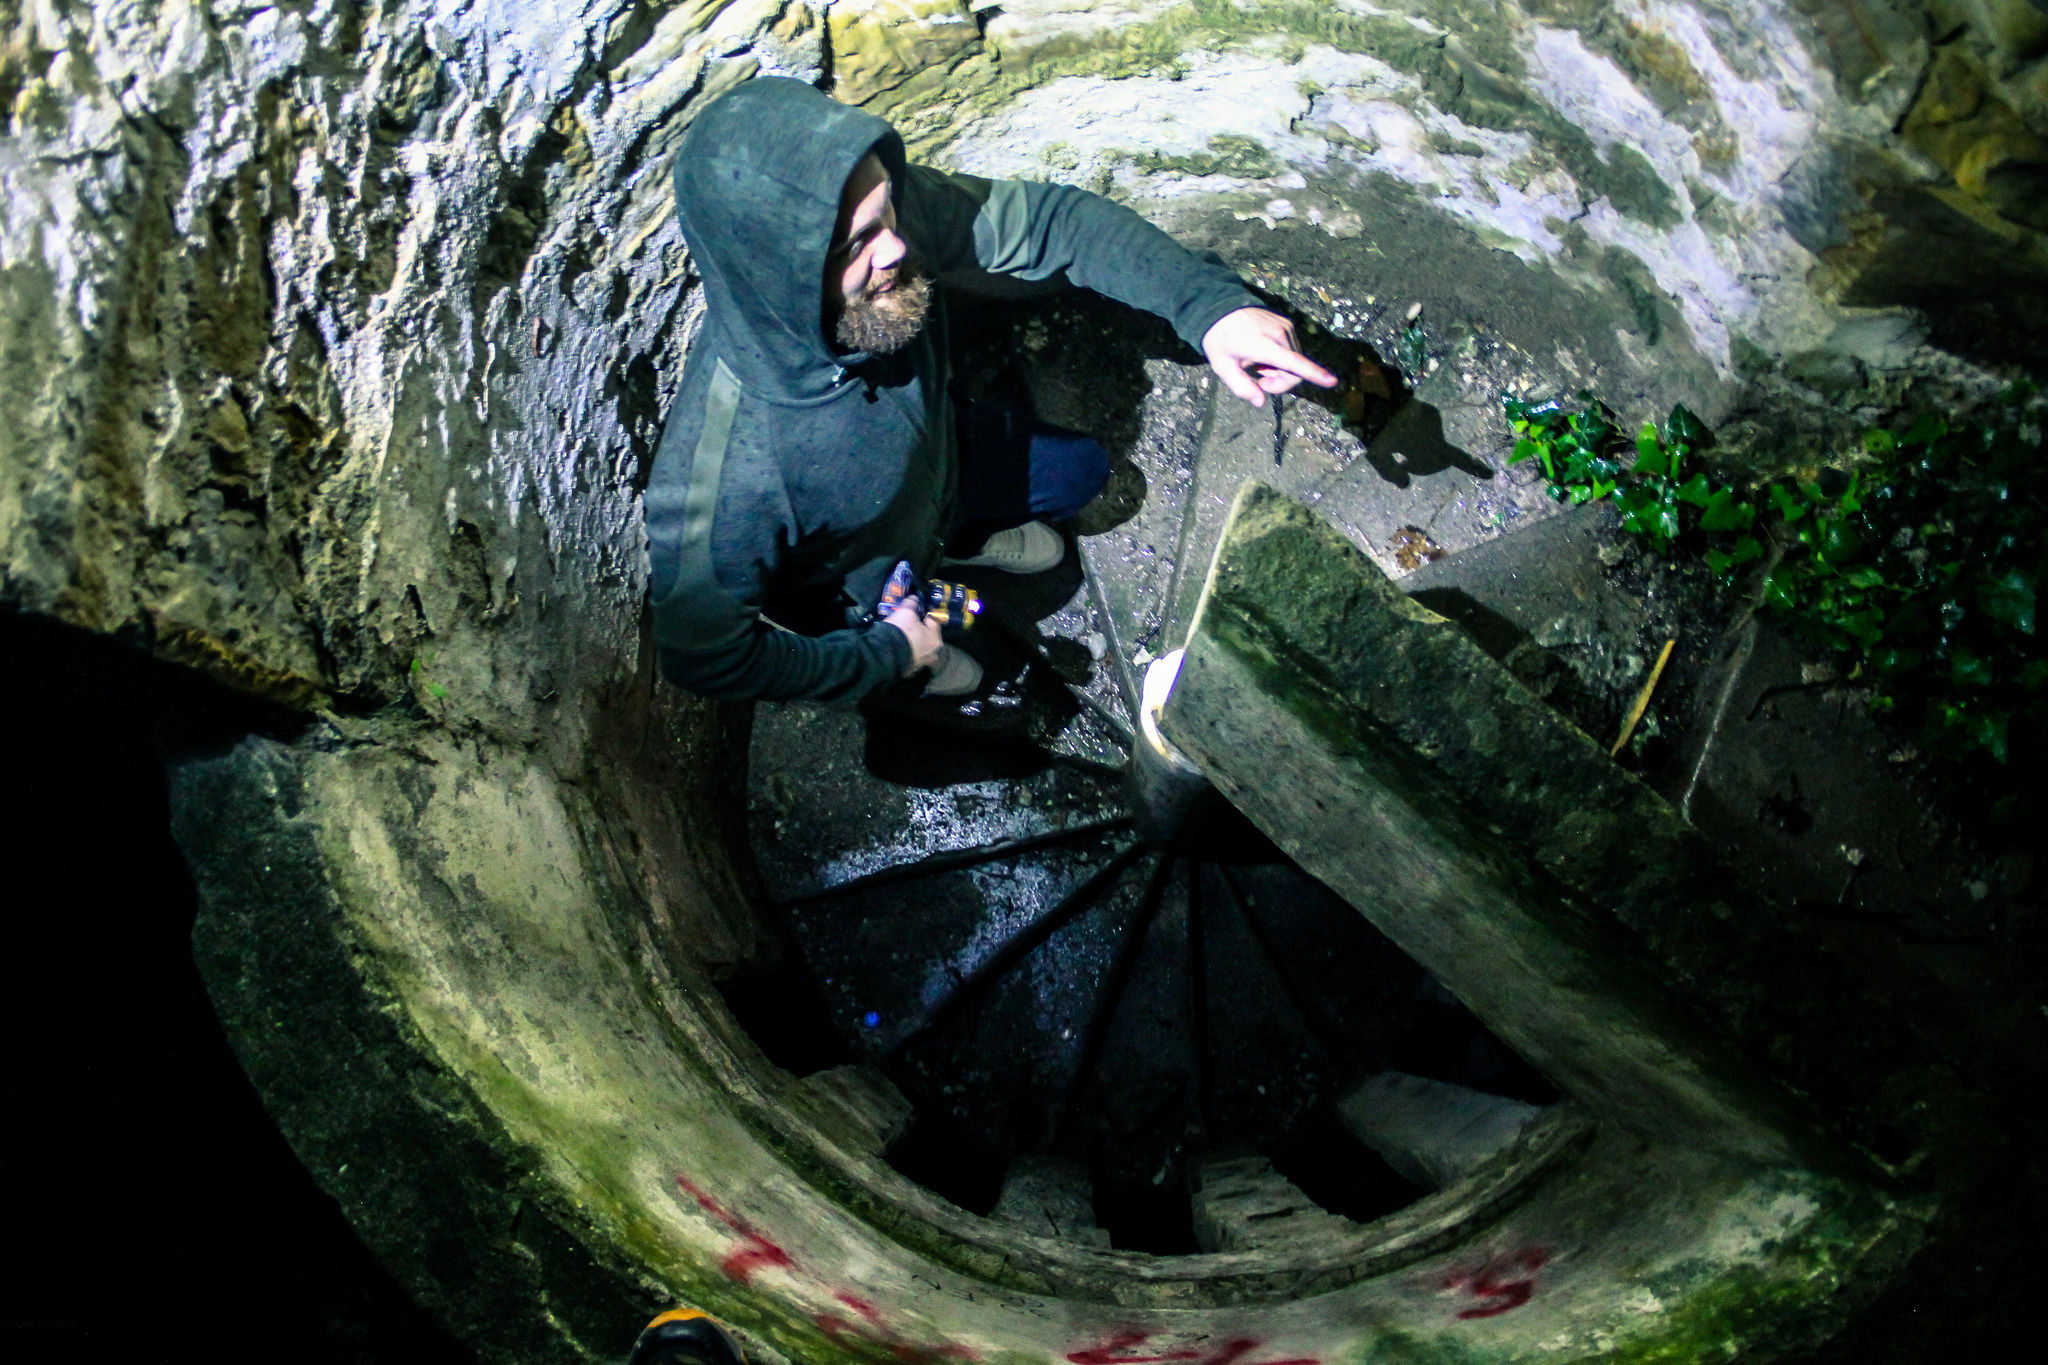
1067, 471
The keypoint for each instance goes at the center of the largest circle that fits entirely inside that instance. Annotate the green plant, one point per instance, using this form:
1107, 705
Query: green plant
421, 680
1413, 349
1919, 562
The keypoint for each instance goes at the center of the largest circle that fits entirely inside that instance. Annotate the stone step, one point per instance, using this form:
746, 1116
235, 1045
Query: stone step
858, 1106
1050, 1196
1148, 572
1433, 1133
1243, 1203
1420, 782
1545, 581
1376, 744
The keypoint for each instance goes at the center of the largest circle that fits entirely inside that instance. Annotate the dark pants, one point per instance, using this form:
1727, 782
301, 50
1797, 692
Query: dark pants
1014, 469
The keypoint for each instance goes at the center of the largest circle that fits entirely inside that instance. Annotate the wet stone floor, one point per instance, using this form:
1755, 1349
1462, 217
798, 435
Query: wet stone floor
1195, 1001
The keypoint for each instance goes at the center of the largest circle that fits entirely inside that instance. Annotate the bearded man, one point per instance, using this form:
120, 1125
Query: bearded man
813, 444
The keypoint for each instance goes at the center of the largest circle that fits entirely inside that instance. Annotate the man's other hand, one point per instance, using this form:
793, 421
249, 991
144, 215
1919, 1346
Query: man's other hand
922, 634
1252, 352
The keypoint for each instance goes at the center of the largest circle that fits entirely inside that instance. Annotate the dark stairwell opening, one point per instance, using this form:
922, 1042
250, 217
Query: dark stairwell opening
134, 1117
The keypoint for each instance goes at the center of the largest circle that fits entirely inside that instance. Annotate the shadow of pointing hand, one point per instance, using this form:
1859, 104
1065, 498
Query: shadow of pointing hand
1411, 445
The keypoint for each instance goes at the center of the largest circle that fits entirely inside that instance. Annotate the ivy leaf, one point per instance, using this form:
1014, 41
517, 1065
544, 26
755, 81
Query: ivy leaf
1841, 542
1684, 426
1780, 590
1723, 513
1647, 514
437, 692
1650, 458
1667, 525
1788, 504
2010, 600
1969, 670
1925, 431
1594, 429
1867, 626
1864, 576
1725, 562
1988, 730
1878, 441
1524, 448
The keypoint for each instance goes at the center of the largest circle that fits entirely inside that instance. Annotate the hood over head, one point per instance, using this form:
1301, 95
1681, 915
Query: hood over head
758, 179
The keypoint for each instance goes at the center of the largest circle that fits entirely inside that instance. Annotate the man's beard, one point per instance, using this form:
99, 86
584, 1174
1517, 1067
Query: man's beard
885, 322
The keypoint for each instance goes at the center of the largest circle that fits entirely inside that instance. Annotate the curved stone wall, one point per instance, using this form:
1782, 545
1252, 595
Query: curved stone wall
336, 339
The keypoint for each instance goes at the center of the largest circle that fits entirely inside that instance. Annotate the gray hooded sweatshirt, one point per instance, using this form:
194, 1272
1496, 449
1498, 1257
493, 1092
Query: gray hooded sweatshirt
789, 470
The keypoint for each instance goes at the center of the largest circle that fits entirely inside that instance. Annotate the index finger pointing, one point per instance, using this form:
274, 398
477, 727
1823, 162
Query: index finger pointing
1276, 356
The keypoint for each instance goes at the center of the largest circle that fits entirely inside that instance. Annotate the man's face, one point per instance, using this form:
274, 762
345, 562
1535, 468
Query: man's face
875, 299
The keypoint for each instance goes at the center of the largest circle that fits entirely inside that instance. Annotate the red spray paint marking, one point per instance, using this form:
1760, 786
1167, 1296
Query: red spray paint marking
873, 1330
1112, 1352
1506, 1281
860, 1306
755, 1251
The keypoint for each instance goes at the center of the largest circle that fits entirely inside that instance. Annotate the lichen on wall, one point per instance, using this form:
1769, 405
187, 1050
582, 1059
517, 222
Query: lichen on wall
1744, 155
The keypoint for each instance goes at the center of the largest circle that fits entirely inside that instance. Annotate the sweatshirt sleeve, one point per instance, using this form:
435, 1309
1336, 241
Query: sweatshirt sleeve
1034, 231
709, 634
717, 645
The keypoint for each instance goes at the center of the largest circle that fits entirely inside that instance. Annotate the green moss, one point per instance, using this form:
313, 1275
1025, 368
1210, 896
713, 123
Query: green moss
1243, 157
1801, 1296
1739, 1312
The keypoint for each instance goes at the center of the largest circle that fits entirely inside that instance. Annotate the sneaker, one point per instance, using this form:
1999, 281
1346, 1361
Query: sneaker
684, 1336
1033, 547
954, 675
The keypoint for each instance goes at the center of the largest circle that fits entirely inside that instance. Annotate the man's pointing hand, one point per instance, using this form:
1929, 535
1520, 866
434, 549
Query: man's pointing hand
1252, 352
